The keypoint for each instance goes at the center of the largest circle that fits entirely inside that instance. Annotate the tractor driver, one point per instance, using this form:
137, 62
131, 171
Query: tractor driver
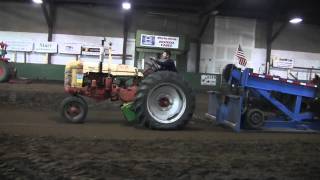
166, 64
316, 80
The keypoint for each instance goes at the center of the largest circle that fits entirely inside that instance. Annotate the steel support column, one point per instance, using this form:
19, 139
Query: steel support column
198, 56
204, 19
269, 45
271, 37
49, 11
203, 26
125, 36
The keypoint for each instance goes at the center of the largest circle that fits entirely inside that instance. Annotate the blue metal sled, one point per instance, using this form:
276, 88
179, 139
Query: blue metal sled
230, 109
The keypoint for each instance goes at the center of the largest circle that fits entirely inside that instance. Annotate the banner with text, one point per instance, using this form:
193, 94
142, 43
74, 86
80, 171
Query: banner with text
282, 62
159, 41
70, 48
46, 47
208, 80
90, 50
19, 46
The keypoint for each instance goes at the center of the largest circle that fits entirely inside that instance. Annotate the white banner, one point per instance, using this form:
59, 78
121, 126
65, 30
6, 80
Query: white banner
282, 63
208, 80
89, 50
46, 47
159, 41
19, 46
70, 48
117, 44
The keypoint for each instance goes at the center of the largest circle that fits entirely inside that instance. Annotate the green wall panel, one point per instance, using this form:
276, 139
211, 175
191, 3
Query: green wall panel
40, 71
194, 81
56, 72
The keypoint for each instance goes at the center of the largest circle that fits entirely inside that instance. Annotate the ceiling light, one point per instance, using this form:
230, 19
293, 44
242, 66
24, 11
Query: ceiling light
126, 5
215, 12
38, 1
296, 20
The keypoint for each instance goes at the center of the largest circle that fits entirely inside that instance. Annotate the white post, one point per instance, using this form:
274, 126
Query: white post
142, 63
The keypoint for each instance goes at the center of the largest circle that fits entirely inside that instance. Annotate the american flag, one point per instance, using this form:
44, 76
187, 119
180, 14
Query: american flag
241, 57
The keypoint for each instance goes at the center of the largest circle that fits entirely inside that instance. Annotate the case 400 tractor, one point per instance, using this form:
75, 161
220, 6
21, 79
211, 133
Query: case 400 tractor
154, 99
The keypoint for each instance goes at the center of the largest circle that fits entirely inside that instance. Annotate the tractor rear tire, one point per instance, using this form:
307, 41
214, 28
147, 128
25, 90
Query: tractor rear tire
4, 72
254, 119
74, 109
164, 101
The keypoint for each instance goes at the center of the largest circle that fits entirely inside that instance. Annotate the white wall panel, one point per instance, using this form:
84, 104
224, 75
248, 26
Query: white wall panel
192, 57
206, 59
62, 59
29, 37
229, 33
301, 59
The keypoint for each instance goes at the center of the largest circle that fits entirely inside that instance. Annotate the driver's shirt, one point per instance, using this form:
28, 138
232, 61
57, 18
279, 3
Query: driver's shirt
167, 65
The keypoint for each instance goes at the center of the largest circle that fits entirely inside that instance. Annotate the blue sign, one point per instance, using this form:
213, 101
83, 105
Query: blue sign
147, 40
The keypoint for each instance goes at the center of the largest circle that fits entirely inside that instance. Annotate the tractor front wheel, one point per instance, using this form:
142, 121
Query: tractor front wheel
4, 72
164, 101
74, 109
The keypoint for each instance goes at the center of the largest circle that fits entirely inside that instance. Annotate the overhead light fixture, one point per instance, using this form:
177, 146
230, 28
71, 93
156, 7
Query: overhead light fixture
216, 12
38, 1
126, 5
296, 20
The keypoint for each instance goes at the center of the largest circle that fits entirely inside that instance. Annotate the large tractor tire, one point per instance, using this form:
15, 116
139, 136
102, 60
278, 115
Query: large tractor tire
74, 109
4, 72
164, 101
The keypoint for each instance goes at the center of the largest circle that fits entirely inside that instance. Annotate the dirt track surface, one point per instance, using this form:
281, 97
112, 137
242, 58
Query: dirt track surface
33, 87
73, 158
37, 145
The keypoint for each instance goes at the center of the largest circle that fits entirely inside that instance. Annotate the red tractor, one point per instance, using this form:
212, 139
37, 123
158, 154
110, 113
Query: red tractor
6, 68
155, 99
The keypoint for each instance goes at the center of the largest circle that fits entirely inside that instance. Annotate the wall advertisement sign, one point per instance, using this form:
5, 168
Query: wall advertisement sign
70, 48
90, 50
159, 41
282, 62
19, 46
208, 80
46, 47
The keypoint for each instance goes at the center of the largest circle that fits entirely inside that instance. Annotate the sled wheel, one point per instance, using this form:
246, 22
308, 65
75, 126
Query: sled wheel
254, 119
